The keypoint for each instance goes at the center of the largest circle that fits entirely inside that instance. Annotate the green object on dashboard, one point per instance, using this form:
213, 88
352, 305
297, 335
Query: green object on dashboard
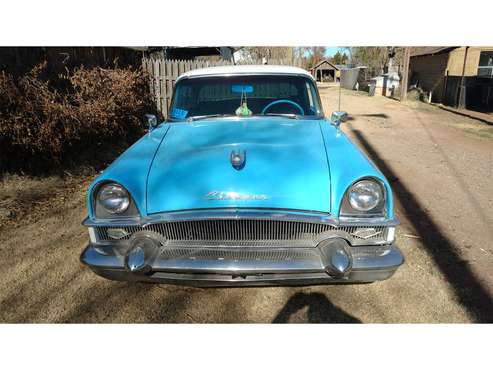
243, 110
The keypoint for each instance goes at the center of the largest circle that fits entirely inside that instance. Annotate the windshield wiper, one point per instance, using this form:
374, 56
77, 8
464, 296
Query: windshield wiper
287, 115
205, 116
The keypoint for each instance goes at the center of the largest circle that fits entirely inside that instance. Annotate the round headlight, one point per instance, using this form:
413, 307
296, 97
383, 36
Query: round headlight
114, 198
365, 195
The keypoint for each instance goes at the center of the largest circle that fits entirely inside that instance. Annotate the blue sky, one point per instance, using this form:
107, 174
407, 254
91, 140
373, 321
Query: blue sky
331, 50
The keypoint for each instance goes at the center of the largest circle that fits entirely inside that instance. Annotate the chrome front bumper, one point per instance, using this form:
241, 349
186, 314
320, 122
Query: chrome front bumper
223, 266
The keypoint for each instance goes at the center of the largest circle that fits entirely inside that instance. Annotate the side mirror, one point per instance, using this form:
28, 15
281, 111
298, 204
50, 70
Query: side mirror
338, 117
150, 120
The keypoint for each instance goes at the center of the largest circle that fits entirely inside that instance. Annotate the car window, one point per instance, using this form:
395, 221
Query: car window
259, 94
221, 91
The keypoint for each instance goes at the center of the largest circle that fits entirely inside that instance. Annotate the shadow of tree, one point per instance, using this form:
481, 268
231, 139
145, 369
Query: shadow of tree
471, 294
320, 310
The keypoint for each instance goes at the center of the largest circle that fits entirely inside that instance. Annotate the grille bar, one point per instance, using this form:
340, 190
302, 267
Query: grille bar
252, 232
238, 230
273, 254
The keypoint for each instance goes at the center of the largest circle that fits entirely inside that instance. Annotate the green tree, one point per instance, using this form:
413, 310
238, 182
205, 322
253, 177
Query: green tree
339, 58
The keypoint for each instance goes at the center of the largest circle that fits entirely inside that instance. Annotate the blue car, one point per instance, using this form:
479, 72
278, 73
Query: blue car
245, 183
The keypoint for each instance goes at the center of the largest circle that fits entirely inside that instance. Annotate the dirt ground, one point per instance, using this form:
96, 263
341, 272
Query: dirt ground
439, 164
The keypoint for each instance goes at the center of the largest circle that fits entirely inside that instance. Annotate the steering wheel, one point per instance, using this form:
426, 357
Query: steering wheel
280, 101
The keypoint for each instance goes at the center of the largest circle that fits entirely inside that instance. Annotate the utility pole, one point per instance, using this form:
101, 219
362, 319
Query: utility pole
339, 95
405, 73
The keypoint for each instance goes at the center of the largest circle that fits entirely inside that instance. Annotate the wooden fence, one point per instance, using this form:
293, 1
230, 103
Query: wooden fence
163, 74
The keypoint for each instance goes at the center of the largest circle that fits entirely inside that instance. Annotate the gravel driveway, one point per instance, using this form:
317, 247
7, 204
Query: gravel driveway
439, 164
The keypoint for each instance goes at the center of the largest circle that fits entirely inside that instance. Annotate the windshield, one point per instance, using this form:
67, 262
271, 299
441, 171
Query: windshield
245, 96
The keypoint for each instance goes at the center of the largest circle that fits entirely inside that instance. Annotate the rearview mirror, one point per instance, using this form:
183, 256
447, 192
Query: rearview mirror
150, 120
338, 117
240, 89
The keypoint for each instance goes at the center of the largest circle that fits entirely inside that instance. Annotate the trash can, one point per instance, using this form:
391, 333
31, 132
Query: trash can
371, 88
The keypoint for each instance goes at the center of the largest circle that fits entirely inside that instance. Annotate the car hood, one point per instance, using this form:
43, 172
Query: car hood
285, 167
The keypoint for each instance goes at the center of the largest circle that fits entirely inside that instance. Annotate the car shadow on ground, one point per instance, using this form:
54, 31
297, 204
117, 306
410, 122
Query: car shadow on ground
469, 291
352, 117
319, 310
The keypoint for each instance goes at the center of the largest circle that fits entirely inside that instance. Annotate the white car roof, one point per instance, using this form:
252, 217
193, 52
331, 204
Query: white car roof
245, 69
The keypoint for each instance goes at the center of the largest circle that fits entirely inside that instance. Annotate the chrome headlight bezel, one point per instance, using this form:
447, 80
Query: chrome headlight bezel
101, 201
349, 206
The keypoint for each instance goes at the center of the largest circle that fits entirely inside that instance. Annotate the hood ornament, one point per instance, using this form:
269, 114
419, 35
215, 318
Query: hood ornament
238, 159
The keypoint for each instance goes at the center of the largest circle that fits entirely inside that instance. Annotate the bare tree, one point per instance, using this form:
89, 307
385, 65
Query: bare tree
270, 52
373, 57
314, 55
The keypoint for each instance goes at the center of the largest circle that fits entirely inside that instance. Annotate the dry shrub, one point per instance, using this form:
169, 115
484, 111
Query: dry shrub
43, 127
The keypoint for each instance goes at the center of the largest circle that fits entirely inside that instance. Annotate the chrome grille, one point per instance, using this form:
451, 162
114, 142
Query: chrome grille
252, 232
273, 254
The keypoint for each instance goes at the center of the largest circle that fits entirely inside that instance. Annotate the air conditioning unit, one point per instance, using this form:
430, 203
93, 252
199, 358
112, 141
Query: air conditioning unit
485, 72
